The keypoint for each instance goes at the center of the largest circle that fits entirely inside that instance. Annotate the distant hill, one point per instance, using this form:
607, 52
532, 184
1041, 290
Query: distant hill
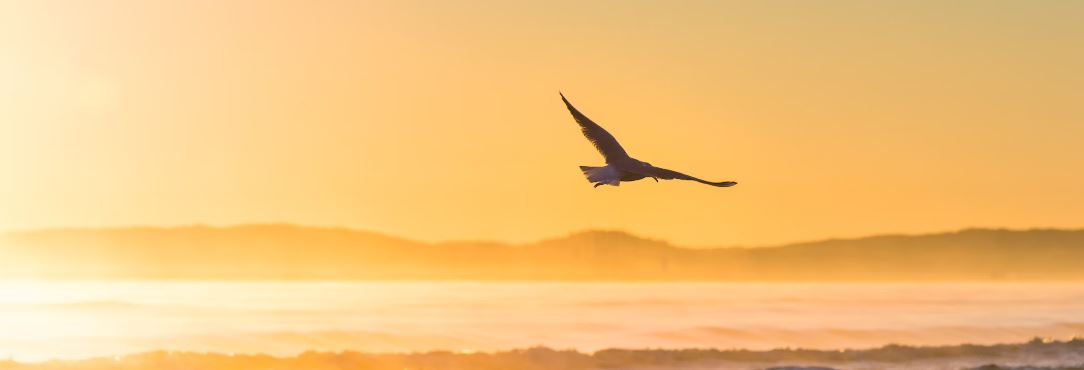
295, 252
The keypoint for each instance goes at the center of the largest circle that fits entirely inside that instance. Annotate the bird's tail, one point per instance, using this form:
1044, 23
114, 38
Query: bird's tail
601, 175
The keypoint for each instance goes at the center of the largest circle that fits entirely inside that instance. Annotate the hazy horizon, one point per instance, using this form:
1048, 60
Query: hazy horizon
527, 241
287, 252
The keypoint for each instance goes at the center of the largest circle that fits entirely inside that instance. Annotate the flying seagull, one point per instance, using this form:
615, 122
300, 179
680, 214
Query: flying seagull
619, 165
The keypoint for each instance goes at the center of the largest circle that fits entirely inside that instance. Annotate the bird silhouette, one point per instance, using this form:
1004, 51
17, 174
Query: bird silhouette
619, 165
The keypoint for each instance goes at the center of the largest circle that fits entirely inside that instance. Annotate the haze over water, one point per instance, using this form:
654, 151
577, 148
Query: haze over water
46, 320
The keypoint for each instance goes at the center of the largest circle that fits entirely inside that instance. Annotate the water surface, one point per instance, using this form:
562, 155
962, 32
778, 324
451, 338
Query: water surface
43, 320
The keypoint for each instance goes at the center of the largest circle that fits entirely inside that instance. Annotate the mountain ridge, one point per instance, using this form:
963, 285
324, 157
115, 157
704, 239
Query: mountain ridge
285, 251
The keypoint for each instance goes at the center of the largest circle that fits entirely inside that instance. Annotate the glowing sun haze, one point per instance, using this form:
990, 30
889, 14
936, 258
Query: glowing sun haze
440, 120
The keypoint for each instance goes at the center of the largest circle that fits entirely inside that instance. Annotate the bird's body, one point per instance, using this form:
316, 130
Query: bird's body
608, 175
619, 165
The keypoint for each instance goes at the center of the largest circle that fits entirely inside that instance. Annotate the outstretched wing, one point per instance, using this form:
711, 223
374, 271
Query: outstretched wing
666, 174
603, 141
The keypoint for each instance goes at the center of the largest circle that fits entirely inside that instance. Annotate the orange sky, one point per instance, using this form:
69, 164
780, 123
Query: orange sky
440, 120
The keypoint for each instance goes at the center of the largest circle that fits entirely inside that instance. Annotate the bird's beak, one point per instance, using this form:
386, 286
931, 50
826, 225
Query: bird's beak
655, 178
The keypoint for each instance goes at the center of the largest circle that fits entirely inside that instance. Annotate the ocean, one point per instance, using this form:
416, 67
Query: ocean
70, 320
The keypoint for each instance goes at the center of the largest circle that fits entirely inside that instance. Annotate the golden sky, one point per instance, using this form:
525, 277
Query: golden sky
440, 120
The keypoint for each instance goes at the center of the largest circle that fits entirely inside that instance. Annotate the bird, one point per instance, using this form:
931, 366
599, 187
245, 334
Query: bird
619, 165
